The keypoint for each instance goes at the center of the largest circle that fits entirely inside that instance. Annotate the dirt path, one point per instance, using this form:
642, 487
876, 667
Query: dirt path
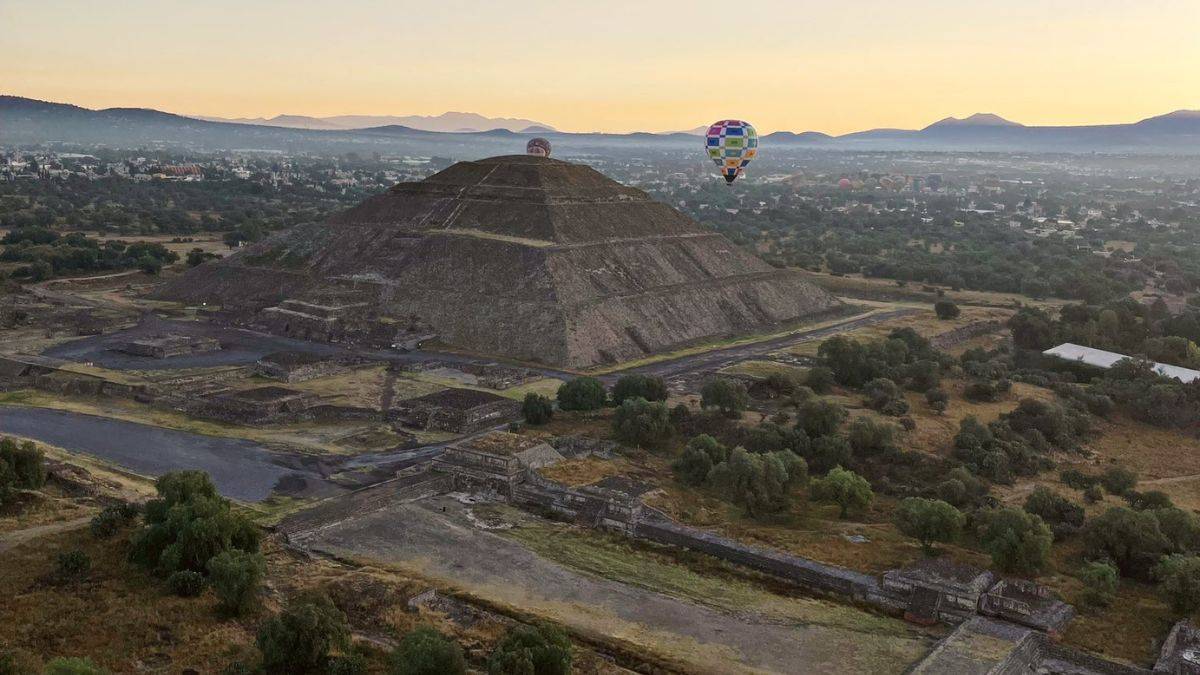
15, 538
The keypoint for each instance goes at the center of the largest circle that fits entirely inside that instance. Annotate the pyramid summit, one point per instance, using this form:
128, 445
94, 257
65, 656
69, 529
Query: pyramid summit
525, 257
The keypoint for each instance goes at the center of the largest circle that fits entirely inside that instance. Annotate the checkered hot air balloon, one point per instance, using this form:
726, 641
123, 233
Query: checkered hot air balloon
731, 144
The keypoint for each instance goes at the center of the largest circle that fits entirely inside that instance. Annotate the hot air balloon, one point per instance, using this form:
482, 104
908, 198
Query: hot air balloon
731, 144
538, 147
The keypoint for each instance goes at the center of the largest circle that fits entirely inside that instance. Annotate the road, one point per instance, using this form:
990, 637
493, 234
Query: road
241, 469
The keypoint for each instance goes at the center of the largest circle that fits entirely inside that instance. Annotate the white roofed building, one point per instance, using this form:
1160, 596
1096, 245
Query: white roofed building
1101, 359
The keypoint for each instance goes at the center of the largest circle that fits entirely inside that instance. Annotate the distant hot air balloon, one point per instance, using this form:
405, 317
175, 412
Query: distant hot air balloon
844, 184
731, 144
538, 147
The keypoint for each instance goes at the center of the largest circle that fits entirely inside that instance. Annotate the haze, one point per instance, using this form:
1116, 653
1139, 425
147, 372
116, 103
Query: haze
617, 66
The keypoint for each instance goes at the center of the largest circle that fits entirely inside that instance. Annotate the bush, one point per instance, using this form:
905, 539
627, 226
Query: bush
235, 577
761, 484
111, 519
850, 491
1131, 539
819, 417
1118, 480
186, 583
929, 521
828, 452
1093, 494
1099, 583
425, 651
351, 663
946, 310
639, 386
1018, 542
1062, 515
938, 400
582, 393
642, 423
1180, 528
1153, 499
1179, 581
726, 395
72, 666
868, 437
885, 396
699, 456
820, 380
1075, 478
537, 409
8, 483
532, 650
298, 639
73, 564
26, 461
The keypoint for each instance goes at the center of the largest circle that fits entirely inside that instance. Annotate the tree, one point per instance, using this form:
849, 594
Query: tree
425, 651
818, 417
820, 380
1179, 581
298, 639
869, 437
26, 461
582, 393
1131, 539
72, 666
186, 583
8, 481
761, 484
850, 491
938, 400
639, 386
542, 649
699, 456
1018, 542
1117, 480
1099, 580
929, 521
642, 423
726, 395
828, 452
946, 310
885, 396
1062, 514
537, 409
236, 576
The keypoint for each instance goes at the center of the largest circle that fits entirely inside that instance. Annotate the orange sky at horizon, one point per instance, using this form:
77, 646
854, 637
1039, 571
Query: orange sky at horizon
618, 66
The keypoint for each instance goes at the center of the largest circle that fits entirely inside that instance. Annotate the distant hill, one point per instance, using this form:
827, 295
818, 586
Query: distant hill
24, 120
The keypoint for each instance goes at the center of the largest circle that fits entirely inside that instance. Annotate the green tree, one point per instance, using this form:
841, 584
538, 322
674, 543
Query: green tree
8, 482
1131, 539
639, 386
1117, 480
820, 380
938, 400
298, 639
27, 462
1018, 542
726, 395
235, 577
1181, 529
582, 393
929, 521
818, 417
532, 650
1179, 581
1061, 513
537, 409
425, 651
850, 491
761, 484
699, 456
642, 423
73, 564
868, 437
1099, 580
946, 310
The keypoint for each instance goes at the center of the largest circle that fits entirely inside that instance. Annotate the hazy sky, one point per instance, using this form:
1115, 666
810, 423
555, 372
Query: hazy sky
615, 65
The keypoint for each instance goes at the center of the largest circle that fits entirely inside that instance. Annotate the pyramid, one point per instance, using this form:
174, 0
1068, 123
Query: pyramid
523, 257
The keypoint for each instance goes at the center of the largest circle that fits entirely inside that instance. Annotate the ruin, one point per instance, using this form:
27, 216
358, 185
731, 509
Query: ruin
460, 411
495, 461
527, 257
298, 366
166, 346
937, 589
261, 404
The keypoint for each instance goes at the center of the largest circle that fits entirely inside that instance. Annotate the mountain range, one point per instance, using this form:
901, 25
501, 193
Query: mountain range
24, 120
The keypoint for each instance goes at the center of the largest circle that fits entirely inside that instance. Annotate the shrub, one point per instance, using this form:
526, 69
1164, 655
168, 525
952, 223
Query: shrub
1131, 539
820, 380
1018, 542
1153, 499
828, 452
72, 666
819, 417
882, 393
761, 484
186, 583
639, 386
726, 395
235, 577
73, 564
1077, 479
582, 393
1062, 515
938, 400
425, 651
1093, 494
699, 456
1118, 480
8, 482
868, 437
1099, 583
26, 461
111, 519
351, 663
537, 409
298, 639
850, 491
642, 423
542, 649
945, 310
1179, 581
929, 521
1180, 528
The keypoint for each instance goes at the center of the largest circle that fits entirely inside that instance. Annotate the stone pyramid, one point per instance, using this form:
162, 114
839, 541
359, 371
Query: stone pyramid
518, 256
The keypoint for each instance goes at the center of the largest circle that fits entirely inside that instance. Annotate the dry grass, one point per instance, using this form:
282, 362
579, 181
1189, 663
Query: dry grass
763, 369
925, 323
858, 286
585, 470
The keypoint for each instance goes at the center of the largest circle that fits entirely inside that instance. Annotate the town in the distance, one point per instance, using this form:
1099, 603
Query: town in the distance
304, 395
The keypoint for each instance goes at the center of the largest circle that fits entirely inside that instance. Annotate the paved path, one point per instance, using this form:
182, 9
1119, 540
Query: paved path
17, 537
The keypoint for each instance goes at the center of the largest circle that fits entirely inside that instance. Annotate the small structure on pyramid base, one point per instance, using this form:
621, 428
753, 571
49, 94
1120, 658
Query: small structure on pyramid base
538, 147
522, 256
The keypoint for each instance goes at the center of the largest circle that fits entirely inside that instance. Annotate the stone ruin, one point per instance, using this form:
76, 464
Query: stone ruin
261, 404
460, 411
527, 257
166, 346
296, 366
495, 462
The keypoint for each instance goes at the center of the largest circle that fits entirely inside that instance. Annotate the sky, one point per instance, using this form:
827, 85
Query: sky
618, 66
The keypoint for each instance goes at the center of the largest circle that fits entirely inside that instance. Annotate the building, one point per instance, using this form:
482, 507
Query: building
938, 589
166, 346
261, 404
495, 461
1027, 603
461, 411
291, 366
1102, 359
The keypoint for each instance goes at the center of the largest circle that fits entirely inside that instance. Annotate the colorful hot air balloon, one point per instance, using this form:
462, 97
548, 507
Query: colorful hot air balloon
731, 144
539, 147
